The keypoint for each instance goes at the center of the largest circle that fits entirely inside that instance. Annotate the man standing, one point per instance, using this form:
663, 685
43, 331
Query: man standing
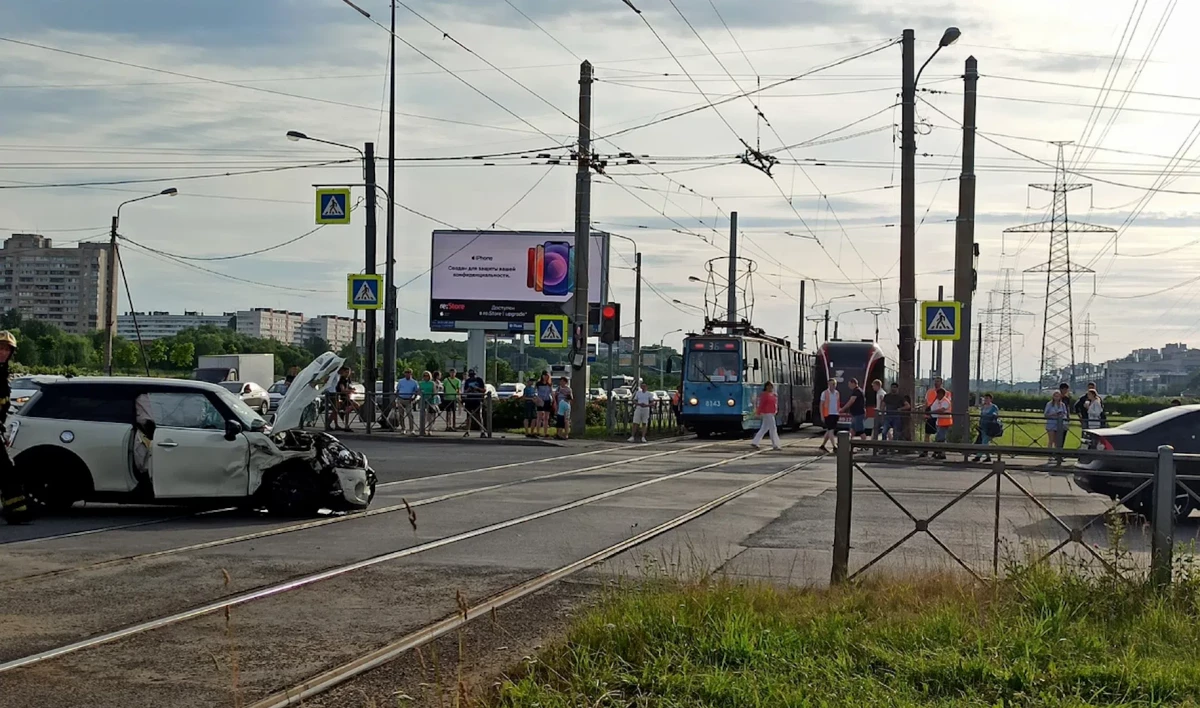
831, 403
931, 395
1064, 389
450, 397
641, 413
893, 402
856, 406
473, 390
877, 396
12, 491
407, 392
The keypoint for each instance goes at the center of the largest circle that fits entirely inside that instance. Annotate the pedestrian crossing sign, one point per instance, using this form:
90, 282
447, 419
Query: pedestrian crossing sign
940, 321
551, 331
362, 291
333, 206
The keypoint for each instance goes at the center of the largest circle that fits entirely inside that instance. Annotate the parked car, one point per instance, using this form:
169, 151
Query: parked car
276, 392
597, 394
253, 395
24, 387
74, 440
510, 390
1178, 427
623, 393
662, 396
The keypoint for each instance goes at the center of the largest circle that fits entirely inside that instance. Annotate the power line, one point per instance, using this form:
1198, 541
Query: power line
178, 178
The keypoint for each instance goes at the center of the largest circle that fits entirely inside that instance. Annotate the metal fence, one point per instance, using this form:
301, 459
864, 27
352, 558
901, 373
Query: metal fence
1164, 485
662, 416
1020, 428
407, 415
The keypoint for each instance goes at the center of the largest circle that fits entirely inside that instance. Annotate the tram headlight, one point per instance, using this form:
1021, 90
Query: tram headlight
693, 401
731, 403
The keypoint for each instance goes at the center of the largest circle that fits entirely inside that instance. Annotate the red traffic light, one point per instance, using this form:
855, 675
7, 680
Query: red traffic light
608, 312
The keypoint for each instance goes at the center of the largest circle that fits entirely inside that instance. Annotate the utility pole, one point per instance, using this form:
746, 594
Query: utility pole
827, 325
964, 267
583, 235
390, 311
731, 295
637, 321
372, 337
1004, 330
908, 209
800, 345
835, 330
937, 346
110, 298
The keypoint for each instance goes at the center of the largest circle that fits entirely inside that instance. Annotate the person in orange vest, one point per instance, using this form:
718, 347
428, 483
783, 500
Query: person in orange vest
931, 427
940, 410
831, 403
677, 408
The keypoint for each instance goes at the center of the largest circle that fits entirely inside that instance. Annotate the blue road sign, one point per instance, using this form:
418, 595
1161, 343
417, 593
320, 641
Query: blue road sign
550, 331
363, 291
333, 206
940, 321
516, 326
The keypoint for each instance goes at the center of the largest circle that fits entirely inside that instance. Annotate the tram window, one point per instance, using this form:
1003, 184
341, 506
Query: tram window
713, 366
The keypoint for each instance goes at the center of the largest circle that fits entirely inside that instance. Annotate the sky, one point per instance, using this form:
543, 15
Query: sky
157, 94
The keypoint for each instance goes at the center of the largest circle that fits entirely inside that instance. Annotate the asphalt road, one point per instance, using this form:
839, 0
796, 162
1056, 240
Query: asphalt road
143, 563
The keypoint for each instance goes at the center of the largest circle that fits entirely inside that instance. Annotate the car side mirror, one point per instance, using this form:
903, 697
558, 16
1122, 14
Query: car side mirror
232, 430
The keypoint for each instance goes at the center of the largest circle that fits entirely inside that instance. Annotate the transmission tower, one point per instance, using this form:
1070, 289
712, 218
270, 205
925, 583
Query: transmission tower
1089, 333
1058, 322
1004, 328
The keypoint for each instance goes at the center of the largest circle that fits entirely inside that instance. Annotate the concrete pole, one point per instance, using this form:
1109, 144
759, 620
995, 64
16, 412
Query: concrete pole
583, 234
800, 344
731, 315
637, 321
937, 346
110, 298
964, 249
908, 209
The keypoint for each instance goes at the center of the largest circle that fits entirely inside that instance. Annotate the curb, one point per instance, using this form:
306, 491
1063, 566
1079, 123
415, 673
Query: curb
445, 439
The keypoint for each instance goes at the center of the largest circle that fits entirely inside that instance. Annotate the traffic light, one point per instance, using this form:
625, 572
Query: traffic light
610, 323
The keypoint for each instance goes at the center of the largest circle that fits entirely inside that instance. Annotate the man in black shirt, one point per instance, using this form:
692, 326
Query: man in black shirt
856, 406
892, 403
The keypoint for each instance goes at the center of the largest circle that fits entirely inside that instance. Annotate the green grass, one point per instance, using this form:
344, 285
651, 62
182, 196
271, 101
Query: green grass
1047, 639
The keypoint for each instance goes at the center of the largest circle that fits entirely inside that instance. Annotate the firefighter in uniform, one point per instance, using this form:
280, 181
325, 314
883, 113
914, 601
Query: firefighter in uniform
12, 493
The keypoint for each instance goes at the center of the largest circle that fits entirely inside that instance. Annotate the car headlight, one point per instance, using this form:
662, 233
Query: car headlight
693, 401
731, 403
349, 460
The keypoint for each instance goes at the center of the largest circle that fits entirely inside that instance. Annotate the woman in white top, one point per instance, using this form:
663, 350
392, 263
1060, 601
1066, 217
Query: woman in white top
1095, 410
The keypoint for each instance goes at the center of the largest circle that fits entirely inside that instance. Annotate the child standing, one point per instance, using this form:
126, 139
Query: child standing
531, 403
564, 418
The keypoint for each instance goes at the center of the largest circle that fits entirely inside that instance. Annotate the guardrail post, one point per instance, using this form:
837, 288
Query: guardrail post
421, 417
488, 403
1164, 517
841, 514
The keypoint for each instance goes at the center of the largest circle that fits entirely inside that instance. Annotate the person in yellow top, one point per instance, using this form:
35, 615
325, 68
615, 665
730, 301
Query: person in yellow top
12, 490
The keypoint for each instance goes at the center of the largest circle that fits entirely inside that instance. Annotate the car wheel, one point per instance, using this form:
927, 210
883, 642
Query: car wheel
53, 479
264, 409
291, 492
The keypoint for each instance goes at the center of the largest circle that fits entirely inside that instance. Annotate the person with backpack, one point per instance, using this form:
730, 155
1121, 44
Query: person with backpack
990, 426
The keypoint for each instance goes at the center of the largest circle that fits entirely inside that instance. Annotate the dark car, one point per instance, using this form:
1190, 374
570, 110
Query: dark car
1178, 427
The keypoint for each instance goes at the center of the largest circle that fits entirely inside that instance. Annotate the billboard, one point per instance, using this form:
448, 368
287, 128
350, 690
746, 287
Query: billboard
502, 280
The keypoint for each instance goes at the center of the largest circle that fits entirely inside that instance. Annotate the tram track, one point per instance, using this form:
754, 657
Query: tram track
289, 585
318, 523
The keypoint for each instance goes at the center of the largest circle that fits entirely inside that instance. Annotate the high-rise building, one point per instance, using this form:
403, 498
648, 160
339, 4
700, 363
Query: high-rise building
265, 323
60, 286
157, 325
334, 329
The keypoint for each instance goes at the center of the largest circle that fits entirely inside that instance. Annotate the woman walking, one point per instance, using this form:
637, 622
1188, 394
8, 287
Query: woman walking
1057, 416
768, 406
989, 424
1094, 410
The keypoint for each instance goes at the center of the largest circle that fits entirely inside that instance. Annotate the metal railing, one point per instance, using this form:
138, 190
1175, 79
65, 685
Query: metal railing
411, 415
1162, 484
1020, 428
662, 417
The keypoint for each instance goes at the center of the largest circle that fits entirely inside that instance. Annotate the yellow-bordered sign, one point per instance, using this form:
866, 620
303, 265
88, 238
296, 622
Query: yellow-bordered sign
550, 331
333, 206
941, 320
364, 292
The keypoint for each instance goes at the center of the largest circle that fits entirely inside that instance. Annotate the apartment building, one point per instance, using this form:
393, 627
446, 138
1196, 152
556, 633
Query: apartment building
265, 323
158, 325
336, 330
64, 287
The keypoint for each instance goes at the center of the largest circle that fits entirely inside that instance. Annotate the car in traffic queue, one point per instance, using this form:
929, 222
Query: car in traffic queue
253, 395
24, 387
1178, 426
276, 392
510, 390
597, 394
75, 441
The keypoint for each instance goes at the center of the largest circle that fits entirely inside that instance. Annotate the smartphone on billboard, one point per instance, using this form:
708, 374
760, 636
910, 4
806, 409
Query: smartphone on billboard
571, 272
556, 268
529, 268
539, 267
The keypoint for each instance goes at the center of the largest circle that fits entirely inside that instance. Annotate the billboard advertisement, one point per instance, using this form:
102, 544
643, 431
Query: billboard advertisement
504, 279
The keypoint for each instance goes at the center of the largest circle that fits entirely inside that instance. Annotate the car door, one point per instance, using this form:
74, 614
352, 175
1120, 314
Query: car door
191, 456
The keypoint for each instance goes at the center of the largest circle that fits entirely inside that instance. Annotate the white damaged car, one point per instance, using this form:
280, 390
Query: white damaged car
85, 439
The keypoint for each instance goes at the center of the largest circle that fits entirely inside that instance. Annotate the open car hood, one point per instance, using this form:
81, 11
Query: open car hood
304, 390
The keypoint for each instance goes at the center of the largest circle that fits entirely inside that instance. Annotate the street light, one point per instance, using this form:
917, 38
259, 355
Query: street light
368, 160
114, 265
826, 306
637, 309
837, 320
662, 373
908, 201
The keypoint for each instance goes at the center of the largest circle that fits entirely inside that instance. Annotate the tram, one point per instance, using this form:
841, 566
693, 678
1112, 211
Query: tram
723, 376
862, 360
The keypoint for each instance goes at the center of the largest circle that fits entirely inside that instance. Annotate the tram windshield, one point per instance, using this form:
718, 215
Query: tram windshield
715, 361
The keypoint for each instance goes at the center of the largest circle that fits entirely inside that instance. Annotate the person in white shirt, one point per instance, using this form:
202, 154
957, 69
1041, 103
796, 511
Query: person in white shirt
831, 405
641, 413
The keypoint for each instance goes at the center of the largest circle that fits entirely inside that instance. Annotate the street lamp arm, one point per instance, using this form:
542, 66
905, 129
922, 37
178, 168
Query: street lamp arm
297, 135
931, 56
168, 192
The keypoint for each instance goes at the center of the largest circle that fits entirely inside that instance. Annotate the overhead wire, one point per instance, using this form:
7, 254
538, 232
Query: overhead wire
176, 178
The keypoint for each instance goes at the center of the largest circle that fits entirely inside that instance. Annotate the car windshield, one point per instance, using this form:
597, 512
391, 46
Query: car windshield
1156, 418
714, 366
25, 384
231, 386
248, 418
